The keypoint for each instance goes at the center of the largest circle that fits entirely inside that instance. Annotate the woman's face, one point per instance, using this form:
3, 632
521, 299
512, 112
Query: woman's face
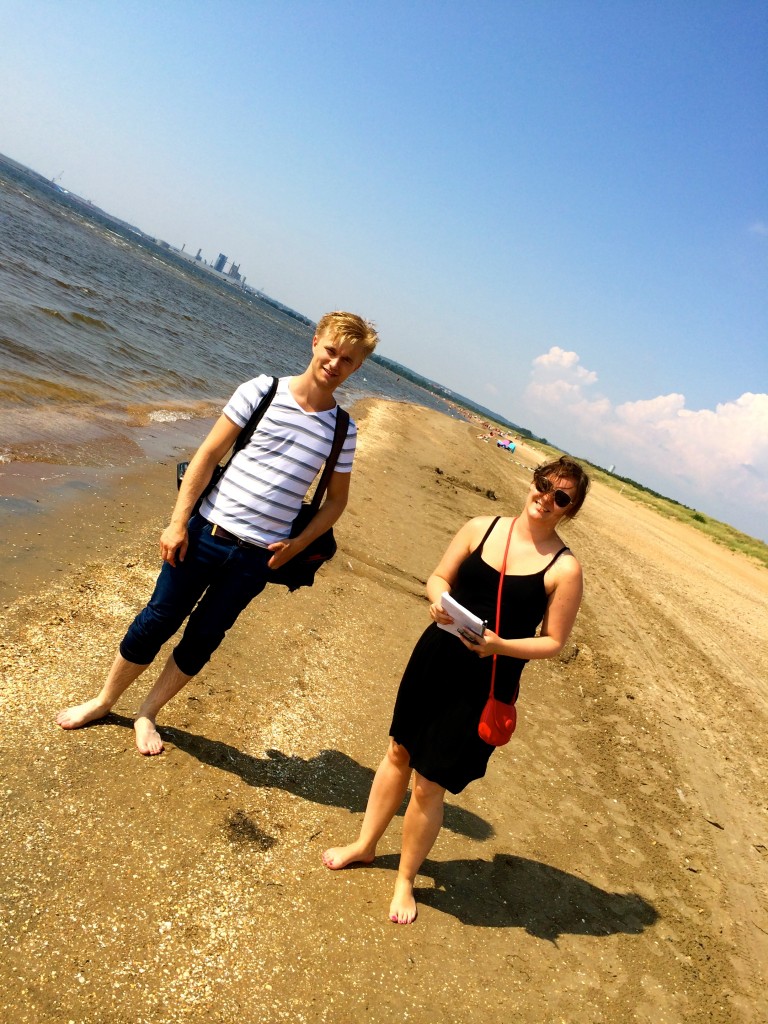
549, 497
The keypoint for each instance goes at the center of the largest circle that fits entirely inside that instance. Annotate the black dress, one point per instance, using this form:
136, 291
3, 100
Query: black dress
445, 686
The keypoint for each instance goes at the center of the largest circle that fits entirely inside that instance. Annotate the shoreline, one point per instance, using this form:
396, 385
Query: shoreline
44, 505
40, 498
605, 850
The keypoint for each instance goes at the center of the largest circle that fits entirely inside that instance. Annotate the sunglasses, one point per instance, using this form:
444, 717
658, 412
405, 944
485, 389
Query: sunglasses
544, 486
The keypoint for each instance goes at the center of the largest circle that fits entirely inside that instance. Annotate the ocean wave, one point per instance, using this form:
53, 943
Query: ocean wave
22, 389
76, 318
90, 321
168, 416
55, 313
67, 286
142, 414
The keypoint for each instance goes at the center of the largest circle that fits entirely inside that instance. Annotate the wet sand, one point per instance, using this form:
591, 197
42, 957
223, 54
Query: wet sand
612, 865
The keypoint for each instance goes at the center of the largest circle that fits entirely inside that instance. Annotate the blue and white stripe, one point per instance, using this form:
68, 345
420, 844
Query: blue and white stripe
262, 490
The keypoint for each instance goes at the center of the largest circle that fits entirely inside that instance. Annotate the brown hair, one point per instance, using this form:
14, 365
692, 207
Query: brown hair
351, 328
566, 468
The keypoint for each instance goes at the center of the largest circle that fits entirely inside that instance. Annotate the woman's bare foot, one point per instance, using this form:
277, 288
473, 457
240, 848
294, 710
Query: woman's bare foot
148, 739
341, 856
82, 714
402, 909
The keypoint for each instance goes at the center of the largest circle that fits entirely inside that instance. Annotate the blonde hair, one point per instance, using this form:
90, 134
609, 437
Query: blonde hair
351, 328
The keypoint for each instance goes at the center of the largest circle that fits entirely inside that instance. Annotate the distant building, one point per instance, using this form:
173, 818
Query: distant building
234, 272
219, 264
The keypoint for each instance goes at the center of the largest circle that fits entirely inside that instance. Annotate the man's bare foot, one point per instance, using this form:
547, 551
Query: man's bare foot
148, 739
82, 714
342, 856
402, 909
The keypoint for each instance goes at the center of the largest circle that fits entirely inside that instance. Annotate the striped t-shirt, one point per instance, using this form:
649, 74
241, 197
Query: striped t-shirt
261, 492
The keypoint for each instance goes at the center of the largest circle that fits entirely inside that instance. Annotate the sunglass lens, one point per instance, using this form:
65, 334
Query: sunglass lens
544, 485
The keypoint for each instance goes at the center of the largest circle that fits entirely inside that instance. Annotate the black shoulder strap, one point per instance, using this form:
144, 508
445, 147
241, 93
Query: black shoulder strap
339, 437
557, 555
487, 535
244, 436
246, 433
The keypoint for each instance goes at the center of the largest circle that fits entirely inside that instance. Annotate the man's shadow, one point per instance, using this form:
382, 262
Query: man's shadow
515, 892
507, 892
330, 777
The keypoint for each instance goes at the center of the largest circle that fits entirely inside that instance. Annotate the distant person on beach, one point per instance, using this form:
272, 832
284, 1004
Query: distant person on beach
216, 561
434, 732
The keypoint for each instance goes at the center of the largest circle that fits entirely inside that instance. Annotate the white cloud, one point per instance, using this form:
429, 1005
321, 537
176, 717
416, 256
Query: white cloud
714, 459
557, 358
650, 411
759, 227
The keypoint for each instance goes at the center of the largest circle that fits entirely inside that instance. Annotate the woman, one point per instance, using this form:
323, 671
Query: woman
447, 680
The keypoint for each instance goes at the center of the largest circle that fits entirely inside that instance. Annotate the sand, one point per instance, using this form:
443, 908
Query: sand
611, 866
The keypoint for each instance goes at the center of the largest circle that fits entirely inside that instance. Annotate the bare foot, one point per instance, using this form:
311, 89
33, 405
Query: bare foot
148, 739
341, 856
82, 714
402, 909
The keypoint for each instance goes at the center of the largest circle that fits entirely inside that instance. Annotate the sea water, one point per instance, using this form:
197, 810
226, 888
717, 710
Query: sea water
100, 335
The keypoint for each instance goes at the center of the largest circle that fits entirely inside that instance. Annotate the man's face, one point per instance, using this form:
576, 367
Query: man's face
333, 360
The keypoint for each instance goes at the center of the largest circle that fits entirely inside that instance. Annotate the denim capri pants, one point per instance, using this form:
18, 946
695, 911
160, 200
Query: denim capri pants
214, 583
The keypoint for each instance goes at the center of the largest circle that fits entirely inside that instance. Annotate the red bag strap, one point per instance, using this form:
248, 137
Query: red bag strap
498, 598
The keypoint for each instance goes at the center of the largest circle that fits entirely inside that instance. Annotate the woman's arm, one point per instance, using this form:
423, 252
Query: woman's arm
559, 617
444, 576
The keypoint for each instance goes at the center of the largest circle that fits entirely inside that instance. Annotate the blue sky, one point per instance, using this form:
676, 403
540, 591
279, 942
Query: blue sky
559, 209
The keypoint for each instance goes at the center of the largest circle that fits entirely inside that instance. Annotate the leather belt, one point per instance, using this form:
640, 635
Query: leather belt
221, 534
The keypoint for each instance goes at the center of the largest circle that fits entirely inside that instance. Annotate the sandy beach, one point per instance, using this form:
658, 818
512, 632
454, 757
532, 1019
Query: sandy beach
612, 866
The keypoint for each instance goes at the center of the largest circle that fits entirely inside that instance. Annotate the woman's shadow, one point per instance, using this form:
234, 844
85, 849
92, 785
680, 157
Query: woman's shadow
509, 891
330, 777
515, 892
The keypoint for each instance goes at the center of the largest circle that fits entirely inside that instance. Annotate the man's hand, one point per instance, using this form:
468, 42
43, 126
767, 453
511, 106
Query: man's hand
174, 541
283, 551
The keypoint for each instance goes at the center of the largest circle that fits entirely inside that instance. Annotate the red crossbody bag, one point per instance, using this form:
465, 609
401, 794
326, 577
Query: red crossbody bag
498, 720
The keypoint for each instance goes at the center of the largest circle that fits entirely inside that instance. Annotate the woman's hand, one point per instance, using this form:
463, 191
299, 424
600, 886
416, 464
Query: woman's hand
482, 646
438, 615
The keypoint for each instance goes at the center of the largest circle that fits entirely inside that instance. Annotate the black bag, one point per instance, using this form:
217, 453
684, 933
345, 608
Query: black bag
300, 570
242, 440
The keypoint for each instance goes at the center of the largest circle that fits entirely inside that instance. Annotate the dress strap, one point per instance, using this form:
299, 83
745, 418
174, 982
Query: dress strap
556, 556
487, 534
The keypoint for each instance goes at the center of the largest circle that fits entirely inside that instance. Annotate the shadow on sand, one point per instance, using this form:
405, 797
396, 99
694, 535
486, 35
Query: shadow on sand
506, 892
515, 892
330, 777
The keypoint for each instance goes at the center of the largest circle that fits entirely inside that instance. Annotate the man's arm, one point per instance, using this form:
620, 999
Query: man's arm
174, 539
336, 498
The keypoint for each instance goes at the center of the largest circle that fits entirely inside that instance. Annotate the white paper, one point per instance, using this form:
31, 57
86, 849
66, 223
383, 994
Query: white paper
463, 619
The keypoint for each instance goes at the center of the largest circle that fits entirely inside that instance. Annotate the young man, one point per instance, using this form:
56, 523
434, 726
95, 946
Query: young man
217, 561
